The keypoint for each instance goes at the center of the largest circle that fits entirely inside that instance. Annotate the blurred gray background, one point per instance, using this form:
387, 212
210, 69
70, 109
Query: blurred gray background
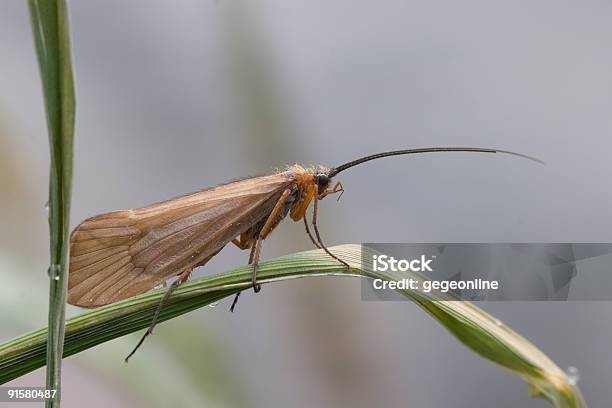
177, 96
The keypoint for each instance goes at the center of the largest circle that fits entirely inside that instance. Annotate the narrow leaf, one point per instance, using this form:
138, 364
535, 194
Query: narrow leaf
50, 28
472, 326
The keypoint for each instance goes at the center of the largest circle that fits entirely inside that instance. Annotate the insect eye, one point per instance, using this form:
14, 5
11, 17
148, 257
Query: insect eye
322, 180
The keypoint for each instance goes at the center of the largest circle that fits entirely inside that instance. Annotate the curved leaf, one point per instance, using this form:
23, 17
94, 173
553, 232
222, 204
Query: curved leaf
474, 327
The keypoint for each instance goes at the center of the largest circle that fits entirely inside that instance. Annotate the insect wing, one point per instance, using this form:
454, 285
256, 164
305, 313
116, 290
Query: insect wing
124, 253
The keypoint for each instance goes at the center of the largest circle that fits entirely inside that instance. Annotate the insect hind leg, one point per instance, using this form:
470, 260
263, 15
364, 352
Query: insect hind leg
181, 278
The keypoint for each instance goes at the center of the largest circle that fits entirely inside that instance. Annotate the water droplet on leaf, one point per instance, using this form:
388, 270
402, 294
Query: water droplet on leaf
54, 271
573, 375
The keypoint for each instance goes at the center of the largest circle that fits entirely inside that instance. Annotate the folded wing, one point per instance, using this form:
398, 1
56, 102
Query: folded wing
121, 254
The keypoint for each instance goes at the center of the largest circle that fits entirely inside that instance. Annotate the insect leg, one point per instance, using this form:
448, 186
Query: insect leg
309, 234
257, 253
243, 243
338, 189
181, 278
271, 222
316, 230
235, 301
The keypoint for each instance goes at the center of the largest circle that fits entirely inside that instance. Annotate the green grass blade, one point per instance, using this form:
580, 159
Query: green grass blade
472, 326
51, 31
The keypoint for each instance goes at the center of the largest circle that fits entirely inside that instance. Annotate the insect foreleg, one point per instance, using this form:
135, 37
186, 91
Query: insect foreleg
337, 189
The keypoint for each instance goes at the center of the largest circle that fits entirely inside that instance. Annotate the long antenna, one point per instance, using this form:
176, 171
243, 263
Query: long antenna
350, 164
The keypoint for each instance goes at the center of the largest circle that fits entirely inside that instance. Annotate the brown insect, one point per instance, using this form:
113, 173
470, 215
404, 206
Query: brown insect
121, 254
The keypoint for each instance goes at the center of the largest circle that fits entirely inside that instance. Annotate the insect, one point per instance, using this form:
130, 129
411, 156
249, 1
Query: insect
121, 254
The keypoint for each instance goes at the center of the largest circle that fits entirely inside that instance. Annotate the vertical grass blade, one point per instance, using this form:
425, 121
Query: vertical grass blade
51, 31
